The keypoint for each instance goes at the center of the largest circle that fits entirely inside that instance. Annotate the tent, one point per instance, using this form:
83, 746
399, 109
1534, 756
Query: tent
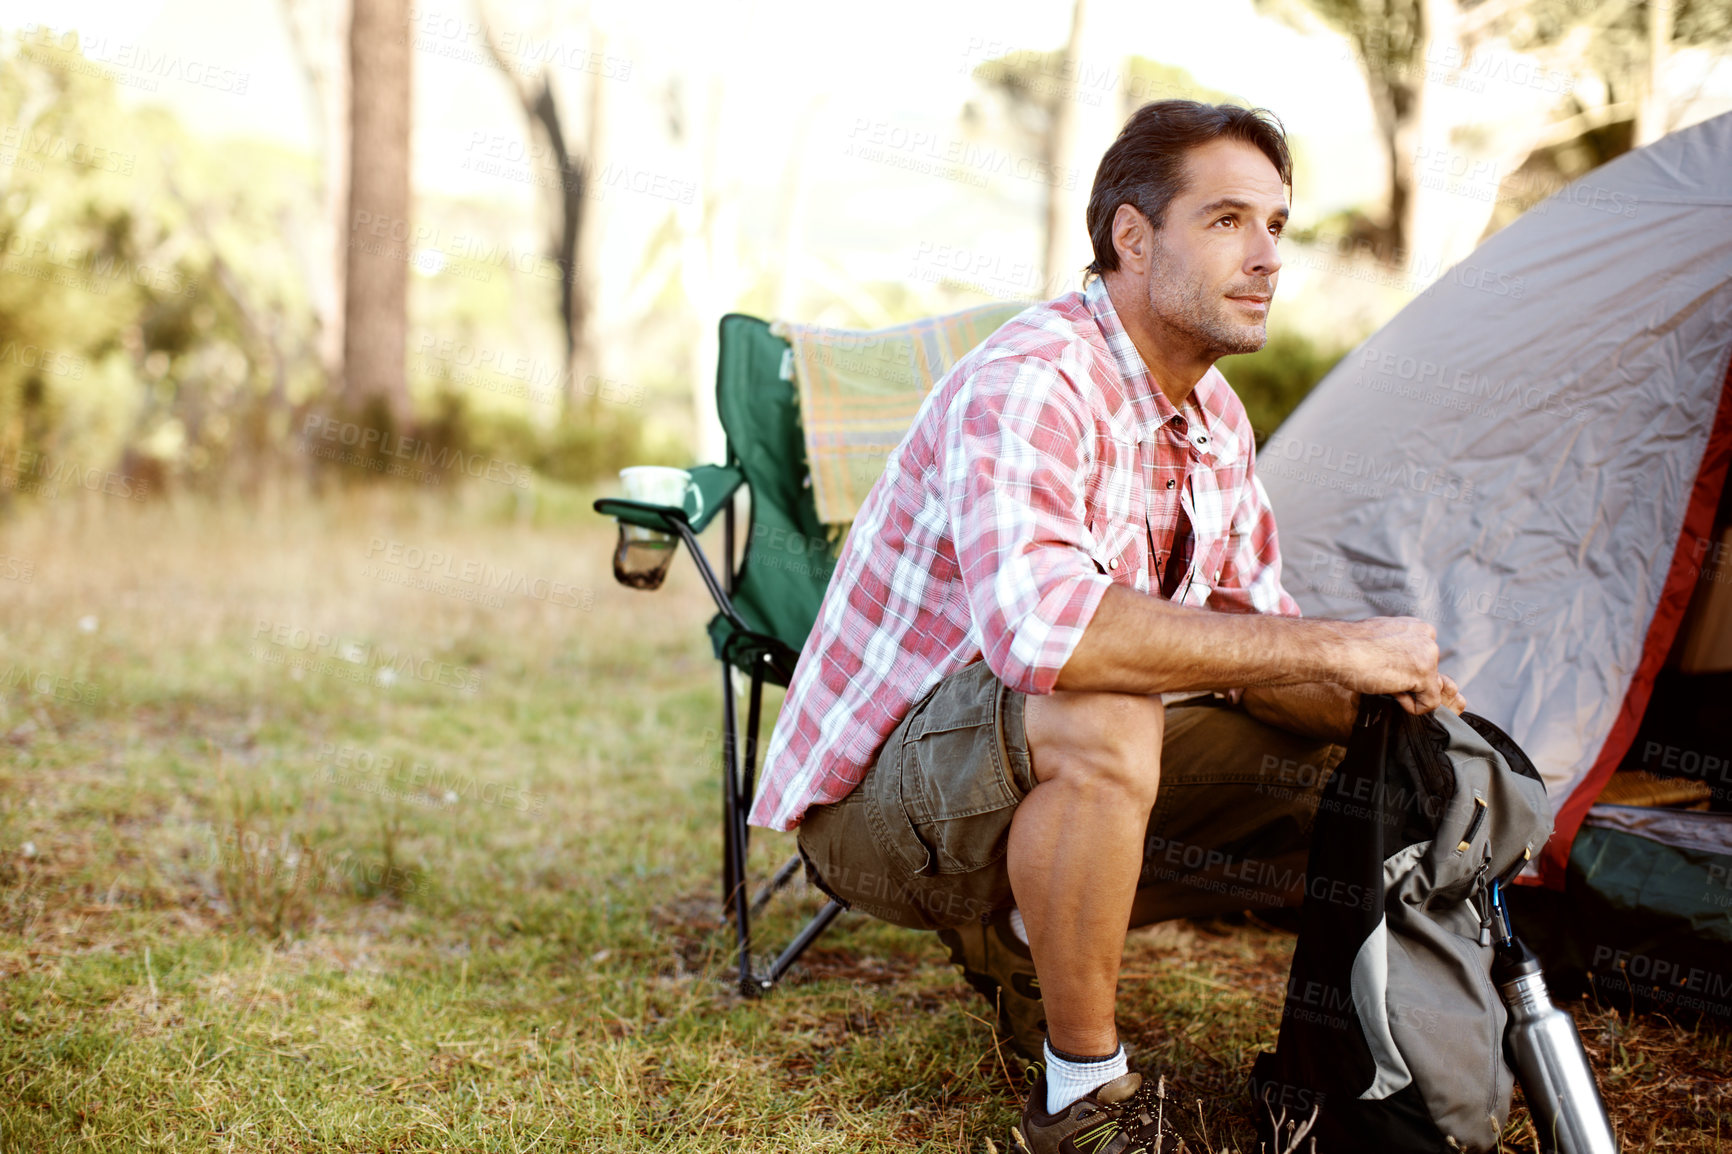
1533, 456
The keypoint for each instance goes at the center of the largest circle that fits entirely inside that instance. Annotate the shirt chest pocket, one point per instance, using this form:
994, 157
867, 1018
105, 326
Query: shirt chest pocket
1211, 559
1120, 550
1213, 543
1117, 512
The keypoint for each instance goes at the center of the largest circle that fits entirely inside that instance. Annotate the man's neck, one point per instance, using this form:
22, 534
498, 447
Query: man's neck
1172, 358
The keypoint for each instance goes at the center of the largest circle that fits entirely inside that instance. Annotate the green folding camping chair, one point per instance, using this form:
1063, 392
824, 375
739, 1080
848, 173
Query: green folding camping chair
864, 387
766, 605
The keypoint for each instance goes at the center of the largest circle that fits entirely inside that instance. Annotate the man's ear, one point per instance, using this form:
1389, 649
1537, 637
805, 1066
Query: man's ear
1132, 239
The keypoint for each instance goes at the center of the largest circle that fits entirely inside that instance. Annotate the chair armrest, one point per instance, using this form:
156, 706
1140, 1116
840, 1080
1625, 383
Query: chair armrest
716, 483
662, 518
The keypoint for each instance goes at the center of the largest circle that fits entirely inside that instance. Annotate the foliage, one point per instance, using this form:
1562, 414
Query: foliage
155, 322
1030, 85
1273, 380
1548, 169
1145, 80
1400, 55
123, 243
1612, 42
1616, 40
577, 448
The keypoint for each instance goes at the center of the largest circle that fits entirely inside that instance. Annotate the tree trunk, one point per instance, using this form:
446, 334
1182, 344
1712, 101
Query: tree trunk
376, 315
1390, 69
1439, 218
1652, 114
573, 235
572, 198
1401, 137
583, 357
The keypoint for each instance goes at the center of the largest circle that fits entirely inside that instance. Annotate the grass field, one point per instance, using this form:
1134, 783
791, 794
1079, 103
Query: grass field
310, 842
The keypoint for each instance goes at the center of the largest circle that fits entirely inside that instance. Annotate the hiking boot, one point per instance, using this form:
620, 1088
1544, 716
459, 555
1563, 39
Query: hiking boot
997, 963
1126, 1116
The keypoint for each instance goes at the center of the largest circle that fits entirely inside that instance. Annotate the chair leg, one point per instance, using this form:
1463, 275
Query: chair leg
754, 718
819, 923
777, 883
728, 796
739, 788
733, 840
738, 778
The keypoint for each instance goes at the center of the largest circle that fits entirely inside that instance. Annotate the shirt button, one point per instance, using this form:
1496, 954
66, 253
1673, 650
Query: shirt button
1202, 439
1171, 483
1113, 564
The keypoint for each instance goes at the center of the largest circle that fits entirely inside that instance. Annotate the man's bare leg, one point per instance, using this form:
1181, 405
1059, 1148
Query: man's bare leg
1076, 850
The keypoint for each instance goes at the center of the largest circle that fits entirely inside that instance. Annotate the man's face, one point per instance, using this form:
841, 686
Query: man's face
1214, 265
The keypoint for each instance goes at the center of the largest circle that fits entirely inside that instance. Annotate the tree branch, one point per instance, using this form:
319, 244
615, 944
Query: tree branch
1482, 19
1565, 131
570, 197
520, 87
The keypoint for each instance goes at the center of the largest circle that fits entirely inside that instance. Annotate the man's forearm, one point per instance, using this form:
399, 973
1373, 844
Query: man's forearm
1136, 643
1141, 644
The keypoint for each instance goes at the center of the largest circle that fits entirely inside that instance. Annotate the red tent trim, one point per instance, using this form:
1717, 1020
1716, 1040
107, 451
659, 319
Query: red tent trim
1675, 596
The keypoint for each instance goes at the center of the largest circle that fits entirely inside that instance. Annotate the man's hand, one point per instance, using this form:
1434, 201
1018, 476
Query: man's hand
1452, 698
1397, 656
1321, 709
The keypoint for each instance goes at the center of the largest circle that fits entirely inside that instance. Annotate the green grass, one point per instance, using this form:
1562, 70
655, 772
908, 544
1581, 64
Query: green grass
245, 906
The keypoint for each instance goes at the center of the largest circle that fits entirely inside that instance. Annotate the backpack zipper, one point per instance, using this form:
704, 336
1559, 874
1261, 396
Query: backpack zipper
1480, 808
1483, 888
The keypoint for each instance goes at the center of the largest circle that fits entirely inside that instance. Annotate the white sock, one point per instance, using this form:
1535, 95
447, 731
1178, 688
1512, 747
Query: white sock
1017, 928
1068, 1081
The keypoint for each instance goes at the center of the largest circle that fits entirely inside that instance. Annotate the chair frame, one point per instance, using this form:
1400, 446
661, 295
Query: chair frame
771, 660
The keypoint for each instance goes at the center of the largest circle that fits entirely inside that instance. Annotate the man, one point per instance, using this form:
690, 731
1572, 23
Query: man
975, 739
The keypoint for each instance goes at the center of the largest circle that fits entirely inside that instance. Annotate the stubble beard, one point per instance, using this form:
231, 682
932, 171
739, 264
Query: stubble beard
1194, 312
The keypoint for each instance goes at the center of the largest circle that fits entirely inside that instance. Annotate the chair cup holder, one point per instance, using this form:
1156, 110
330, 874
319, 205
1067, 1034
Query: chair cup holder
643, 556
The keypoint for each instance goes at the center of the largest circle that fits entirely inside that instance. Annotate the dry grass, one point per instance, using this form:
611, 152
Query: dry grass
253, 906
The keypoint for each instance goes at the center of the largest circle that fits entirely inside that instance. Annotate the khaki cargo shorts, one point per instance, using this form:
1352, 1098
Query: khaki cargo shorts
921, 841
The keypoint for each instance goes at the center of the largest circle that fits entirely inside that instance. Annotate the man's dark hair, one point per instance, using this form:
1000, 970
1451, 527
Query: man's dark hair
1145, 167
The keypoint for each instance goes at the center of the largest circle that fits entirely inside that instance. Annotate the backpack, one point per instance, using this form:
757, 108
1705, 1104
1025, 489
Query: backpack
1392, 1032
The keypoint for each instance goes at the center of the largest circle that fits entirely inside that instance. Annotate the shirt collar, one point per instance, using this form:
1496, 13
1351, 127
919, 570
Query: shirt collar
1150, 408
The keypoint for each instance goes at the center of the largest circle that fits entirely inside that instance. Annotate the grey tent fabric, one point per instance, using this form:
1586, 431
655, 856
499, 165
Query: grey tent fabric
1511, 457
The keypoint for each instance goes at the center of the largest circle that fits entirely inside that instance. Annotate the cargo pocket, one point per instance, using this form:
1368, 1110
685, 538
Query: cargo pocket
947, 804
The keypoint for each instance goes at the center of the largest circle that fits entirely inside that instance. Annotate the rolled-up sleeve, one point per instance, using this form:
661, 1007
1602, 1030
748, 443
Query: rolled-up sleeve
1250, 579
1017, 455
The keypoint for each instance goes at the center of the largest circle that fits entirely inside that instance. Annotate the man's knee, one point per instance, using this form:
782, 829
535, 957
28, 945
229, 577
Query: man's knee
1103, 740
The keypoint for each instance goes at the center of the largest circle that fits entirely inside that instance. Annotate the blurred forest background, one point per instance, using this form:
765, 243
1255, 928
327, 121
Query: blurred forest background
359, 816
506, 231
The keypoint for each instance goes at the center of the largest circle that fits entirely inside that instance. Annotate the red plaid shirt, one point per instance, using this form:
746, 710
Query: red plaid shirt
1045, 466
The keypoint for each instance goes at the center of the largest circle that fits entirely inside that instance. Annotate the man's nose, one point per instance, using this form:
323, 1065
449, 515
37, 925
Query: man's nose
1264, 259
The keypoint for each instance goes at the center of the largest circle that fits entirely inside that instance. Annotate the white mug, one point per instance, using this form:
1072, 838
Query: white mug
660, 485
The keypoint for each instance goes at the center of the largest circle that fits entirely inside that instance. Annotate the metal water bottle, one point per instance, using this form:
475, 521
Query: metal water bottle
1547, 1053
